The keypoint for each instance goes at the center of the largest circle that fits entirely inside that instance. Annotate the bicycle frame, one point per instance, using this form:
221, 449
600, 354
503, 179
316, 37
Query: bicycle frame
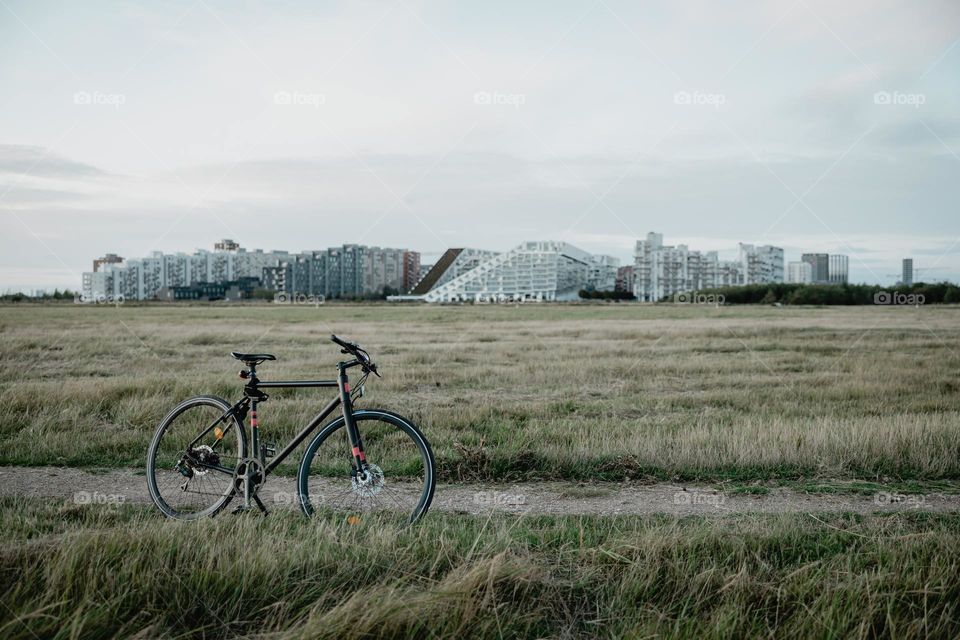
253, 395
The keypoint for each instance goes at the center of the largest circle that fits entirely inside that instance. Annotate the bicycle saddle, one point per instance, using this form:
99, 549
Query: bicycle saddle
255, 358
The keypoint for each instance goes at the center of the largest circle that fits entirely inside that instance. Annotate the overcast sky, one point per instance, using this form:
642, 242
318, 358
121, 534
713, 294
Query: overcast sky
814, 125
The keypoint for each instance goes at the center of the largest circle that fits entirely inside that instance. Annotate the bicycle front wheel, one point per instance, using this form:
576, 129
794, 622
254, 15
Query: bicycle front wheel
399, 480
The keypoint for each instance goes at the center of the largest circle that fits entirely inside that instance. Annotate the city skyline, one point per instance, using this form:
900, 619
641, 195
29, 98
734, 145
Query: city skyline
805, 125
540, 270
429, 258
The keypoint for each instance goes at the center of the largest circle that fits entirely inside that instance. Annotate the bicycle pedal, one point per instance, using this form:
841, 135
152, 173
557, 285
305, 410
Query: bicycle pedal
268, 449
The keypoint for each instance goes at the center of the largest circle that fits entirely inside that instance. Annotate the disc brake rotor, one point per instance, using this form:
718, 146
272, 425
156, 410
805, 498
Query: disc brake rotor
203, 455
369, 482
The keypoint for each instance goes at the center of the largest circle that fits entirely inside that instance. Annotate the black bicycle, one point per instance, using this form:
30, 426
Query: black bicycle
368, 460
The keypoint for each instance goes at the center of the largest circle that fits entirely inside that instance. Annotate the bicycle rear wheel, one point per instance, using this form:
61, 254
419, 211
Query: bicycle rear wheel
399, 481
193, 457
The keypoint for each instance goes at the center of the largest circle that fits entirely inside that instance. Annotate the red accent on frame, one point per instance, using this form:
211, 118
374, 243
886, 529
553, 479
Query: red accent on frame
253, 419
358, 453
346, 387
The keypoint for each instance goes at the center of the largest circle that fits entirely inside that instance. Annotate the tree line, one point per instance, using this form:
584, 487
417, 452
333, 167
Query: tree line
836, 294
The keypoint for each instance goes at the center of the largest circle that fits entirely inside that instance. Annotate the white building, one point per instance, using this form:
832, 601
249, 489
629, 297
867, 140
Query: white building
453, 263
761, 264
661, 271
603, 273
800, 272
141, 279
531, 271
907, 275
839, 272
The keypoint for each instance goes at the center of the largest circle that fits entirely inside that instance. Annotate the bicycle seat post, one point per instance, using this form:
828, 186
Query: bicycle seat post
254, 465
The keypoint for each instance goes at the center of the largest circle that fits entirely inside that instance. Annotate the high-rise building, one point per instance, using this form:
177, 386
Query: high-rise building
411, 270
800, 273
721, 273
342, 272
819, 266
386, 270
661, 271
907, 276
827, 268
142, 279
625, 279
839, 269
760, 264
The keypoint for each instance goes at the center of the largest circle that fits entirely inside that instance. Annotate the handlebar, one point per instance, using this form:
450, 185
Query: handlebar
355, 350
346, 347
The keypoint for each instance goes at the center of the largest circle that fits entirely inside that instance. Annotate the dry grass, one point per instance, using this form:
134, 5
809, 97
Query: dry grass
100, 572
580, 392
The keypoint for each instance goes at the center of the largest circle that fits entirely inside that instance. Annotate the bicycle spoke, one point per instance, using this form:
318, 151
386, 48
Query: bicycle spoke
197, 480
389, 451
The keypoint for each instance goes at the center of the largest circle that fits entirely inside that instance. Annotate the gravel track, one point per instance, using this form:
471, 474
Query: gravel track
534, 498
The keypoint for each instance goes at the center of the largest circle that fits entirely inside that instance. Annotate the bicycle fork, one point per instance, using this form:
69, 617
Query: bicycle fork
353, 434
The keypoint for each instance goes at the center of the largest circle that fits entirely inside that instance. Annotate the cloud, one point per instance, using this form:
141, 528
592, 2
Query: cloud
26, 197
40, 162
400, 152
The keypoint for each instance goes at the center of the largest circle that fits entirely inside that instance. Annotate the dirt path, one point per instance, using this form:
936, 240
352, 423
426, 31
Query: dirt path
519, 498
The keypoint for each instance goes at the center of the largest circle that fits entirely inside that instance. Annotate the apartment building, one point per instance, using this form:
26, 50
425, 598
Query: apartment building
799, 272
839, 269
661, 271
142, 278
347, 271
602, 273
827, 268
760, 264
906, 276
625, 279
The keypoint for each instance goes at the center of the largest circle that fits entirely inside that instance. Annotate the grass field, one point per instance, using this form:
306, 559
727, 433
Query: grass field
87, 572
561, 392
802, 397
